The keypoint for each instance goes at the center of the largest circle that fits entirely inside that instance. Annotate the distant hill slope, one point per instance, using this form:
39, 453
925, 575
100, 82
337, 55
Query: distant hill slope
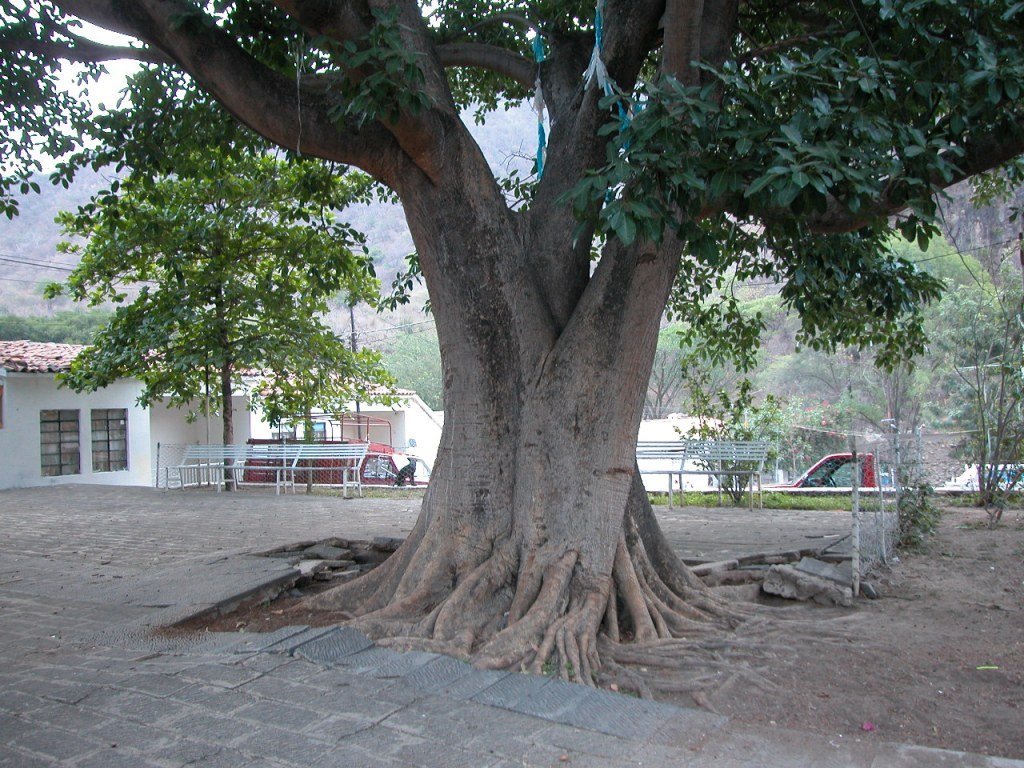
507, 141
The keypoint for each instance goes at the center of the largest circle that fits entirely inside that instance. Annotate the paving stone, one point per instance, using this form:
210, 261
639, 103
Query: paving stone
507, 691
384, 663
333, 646
212, 729
222, 675
909, 756
365, 705
618, 715
520, 749
289, 644
333, 728
386, 742
278, 714
21, 703
469, 686
258, 642
551, 701
732, 747
588, 742
117, 758
16, 758
56, 744
154, 684
284, 746
436, 673
12, 726
68, 716
185, 752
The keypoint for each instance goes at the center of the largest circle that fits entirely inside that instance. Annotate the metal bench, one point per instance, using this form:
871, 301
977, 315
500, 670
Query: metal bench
278, 459
343, 461
717, 458
222, 464
205, 464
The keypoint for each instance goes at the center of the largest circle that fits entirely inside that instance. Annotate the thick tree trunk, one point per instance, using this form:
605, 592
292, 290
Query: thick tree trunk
535, 537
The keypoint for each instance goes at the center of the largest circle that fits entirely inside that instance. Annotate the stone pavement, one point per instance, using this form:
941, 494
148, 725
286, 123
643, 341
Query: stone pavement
85, 573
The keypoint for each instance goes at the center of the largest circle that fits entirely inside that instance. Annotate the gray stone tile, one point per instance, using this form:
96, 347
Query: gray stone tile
56, 744
509, 690
333, 646
279, 714
12, 757
435, 674
469, 686
154, 684
618, 715
212, 729
386, 665
289, 644
258, 642
290, 748
551, 701
333, 728
750, 746
13, 726
185, 752
223, 675
117, 758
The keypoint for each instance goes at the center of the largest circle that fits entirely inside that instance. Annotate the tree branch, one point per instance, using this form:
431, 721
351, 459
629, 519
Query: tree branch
682, 38
340, 21
489, 57
985, 153
83, 51
273, 105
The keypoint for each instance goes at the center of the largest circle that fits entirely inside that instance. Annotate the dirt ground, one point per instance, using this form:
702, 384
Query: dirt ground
936, 660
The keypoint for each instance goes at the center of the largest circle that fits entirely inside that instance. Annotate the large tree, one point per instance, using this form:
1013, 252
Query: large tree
712, 140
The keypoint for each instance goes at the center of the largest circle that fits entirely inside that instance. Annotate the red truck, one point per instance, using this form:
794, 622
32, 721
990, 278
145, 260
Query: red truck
836, 471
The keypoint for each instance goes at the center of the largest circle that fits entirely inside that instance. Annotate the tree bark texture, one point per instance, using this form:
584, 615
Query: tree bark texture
536, 535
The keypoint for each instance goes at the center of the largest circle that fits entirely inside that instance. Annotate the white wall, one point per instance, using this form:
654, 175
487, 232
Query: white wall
170, 430
26, 394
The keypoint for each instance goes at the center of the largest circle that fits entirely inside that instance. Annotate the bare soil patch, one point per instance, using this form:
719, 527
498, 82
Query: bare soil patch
937, 660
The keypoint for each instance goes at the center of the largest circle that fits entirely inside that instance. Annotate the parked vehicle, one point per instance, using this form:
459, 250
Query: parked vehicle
836, 471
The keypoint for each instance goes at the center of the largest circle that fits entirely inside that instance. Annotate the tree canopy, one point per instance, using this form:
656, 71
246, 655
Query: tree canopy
223, 273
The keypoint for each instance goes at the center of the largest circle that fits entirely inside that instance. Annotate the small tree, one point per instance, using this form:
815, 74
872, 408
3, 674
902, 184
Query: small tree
221, 272
985, 349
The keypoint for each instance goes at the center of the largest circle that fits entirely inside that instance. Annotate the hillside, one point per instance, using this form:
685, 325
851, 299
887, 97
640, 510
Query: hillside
32, 236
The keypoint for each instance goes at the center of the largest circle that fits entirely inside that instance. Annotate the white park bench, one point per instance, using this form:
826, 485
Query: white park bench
278, 459
204, 464
217, 465
717, 458
340, 462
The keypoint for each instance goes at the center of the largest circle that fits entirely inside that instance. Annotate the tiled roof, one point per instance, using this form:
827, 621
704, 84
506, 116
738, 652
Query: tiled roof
37, 356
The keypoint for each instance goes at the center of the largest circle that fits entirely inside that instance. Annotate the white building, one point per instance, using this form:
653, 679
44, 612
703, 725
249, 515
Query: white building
51, 435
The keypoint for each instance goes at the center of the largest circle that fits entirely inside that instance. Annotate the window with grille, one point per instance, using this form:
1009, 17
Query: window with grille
109, 439
58, 442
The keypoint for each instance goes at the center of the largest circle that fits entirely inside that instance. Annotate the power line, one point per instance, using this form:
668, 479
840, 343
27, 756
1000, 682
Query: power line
37, 264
